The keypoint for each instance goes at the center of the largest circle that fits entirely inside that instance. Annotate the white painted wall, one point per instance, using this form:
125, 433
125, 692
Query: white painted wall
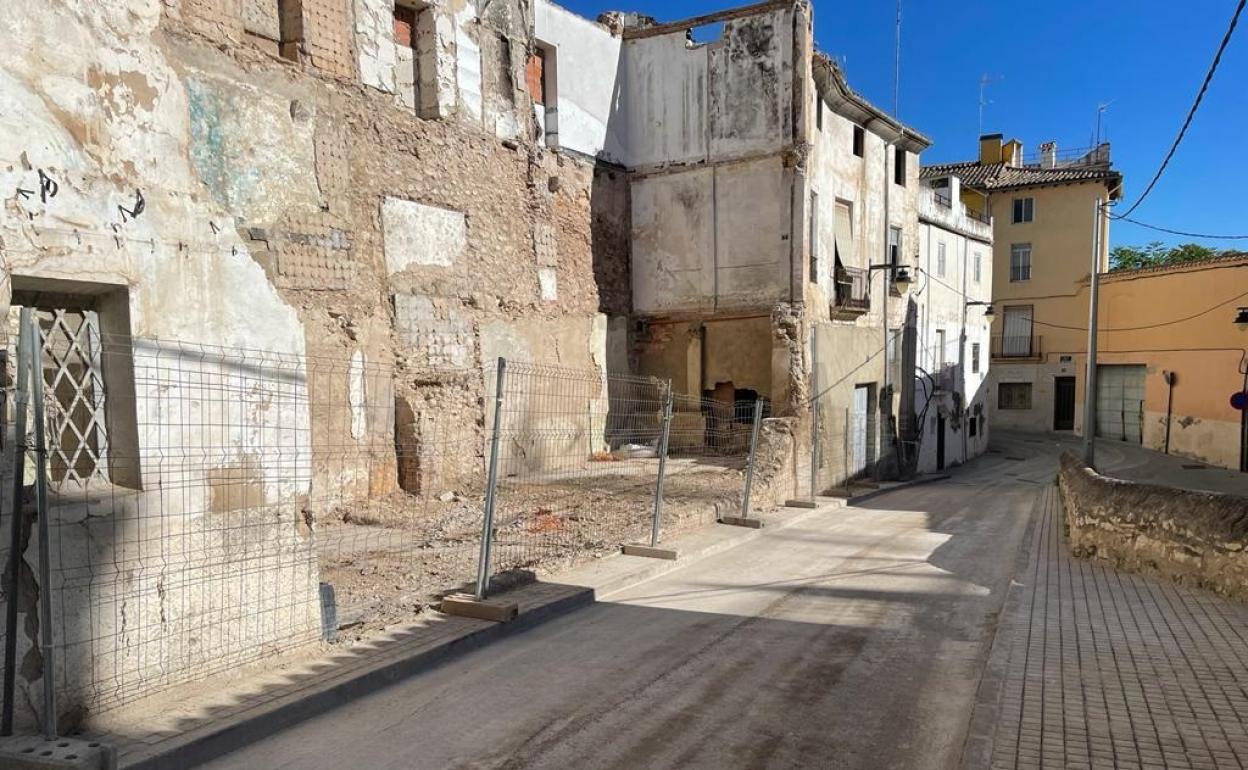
940, 299
587, 62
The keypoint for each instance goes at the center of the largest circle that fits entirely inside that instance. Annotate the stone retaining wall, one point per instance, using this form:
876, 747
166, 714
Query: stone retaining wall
1194, 538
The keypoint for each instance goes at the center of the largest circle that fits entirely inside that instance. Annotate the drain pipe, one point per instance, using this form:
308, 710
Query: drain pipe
1170, 378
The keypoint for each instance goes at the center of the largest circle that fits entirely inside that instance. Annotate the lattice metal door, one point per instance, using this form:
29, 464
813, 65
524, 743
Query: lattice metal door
74, 380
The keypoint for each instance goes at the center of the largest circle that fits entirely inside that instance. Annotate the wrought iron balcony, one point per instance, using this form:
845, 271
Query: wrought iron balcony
853, 297
1018, 346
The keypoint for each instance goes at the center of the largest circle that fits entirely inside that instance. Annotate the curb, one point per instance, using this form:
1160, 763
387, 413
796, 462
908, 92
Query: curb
857, 499
212, 742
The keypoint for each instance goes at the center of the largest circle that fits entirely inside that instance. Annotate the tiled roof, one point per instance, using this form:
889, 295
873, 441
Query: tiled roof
999, 176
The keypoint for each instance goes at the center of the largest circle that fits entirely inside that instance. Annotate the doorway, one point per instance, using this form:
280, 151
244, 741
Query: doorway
940, 442
857, 430
1064, 403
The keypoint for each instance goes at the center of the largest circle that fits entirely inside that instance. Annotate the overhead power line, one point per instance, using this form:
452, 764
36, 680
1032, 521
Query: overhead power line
1191, 114
1184, 233
1171, 322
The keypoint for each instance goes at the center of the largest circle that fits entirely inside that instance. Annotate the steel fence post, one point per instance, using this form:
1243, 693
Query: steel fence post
657, 523
848, 427
814, 447
16, 525
46, 641
749, 467
487, 525
814, 409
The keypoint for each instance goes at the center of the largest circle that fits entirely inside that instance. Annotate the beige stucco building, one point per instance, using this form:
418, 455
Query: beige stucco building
1169, 356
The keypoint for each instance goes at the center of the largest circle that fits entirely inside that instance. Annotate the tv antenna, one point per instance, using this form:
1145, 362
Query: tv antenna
1101, 109
985, 80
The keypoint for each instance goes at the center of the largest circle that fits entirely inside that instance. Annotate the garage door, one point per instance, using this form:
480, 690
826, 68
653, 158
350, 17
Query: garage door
1120, 402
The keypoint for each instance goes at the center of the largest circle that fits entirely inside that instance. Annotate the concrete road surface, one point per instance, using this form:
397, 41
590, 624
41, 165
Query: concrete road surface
852, 640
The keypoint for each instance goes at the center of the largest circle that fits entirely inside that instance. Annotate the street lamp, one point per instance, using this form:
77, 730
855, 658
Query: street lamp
988, 311
901, 274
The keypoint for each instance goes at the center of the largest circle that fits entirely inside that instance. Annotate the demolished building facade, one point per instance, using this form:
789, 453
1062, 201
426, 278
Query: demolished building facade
414, 188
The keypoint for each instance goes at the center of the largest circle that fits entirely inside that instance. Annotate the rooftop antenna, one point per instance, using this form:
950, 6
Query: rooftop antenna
897, 67
1101, 109
985, 80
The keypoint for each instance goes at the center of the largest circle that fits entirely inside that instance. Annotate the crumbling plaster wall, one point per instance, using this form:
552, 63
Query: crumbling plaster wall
728, 99
264, 185
469, 65
109, 121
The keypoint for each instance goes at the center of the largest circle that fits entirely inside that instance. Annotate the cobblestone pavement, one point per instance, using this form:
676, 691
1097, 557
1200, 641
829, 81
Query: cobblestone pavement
1094, 668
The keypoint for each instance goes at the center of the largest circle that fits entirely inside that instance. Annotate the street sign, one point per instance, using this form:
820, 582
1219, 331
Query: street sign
1239, 400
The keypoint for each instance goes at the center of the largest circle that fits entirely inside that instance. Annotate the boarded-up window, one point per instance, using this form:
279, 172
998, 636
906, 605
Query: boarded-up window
844, 234
535, 76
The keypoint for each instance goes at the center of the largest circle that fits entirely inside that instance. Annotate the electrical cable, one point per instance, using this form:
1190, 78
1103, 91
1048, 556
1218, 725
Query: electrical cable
1184, 233
1121, 328
1191, 114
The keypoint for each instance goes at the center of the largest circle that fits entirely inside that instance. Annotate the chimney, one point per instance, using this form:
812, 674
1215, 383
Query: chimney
1048, 155
1012, 153
989, 149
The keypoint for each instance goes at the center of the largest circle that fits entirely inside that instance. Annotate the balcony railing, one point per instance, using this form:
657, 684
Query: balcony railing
942, 199
852, 295
1017, 346
978, 217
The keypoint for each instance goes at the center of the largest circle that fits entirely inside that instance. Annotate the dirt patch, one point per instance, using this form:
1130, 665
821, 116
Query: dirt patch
391, 558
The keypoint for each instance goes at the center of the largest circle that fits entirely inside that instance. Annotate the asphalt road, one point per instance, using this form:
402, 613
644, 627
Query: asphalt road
852, 640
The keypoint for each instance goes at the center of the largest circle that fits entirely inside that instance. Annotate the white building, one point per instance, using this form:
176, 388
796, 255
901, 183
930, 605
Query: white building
951, 330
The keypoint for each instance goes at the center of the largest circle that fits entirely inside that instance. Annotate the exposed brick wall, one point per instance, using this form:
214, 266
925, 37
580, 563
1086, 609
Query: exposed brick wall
1195, 538
327, 36
326, 27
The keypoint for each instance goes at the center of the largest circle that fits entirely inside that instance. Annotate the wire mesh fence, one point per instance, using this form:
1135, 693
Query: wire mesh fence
579, 463
209, 506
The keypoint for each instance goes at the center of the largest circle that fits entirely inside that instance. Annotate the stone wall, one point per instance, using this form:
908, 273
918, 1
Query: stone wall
1193, 538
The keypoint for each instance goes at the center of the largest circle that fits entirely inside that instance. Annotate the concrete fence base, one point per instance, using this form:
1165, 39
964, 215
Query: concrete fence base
1192, 538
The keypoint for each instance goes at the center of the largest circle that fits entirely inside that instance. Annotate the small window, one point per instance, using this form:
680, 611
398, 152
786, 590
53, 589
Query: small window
290, 29
1024, 210
899, 166
860, 141
275, 25
894, 245
814, 237
973, 424
974, 358
1020, 262
979, 258
1014, 395
940, 260
819, 114
940, 350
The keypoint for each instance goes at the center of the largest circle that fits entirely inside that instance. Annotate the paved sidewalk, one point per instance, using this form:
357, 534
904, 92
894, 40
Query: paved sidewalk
1093, 668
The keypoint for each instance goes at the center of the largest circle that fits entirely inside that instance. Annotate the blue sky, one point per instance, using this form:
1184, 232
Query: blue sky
1050, 70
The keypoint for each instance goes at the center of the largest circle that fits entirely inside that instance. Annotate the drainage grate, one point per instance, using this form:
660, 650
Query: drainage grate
1195, 467
1015, 458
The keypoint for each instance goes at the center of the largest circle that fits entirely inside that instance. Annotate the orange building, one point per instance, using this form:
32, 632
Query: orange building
1170, 354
